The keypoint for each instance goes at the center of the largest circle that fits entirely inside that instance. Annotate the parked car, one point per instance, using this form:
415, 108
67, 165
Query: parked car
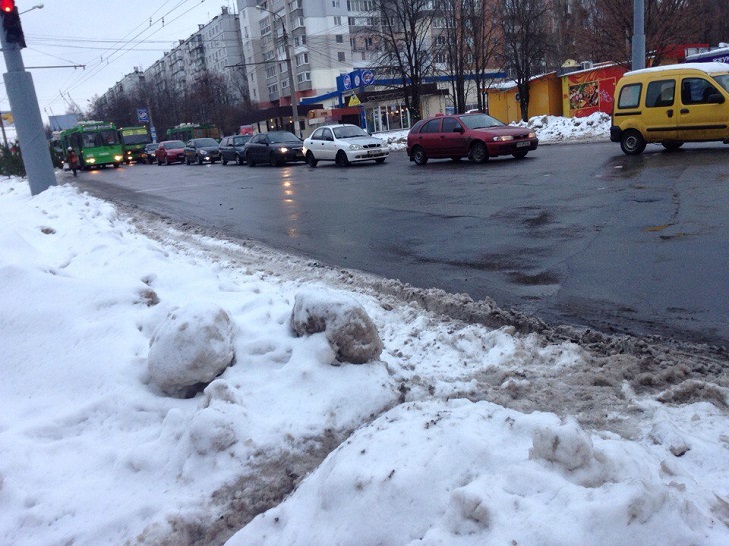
476, 136
147, 155
200, 150
670, 105
231, 148
274, 147
344, 144
170, 151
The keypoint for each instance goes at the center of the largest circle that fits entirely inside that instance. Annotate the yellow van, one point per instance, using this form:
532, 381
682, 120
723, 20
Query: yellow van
671, 105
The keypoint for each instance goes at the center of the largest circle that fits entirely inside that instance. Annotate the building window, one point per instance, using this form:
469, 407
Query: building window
270, 71
341, 57
298, 22
337, 21
302, 58
339, 39
303, 77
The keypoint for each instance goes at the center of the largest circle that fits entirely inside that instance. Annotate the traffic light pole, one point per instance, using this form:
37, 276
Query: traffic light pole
28, 122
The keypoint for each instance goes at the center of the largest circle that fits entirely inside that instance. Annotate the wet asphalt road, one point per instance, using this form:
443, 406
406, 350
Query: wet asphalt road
578, 234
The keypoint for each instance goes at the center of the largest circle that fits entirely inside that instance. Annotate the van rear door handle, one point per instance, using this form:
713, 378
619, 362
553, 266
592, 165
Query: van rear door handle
684, 110
669, 113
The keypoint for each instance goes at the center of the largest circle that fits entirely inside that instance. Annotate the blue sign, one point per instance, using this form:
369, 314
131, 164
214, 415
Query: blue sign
357, 78
142, 115
153, 133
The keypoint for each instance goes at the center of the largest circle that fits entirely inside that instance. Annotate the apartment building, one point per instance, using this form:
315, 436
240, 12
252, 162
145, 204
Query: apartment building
326, 38
215, 47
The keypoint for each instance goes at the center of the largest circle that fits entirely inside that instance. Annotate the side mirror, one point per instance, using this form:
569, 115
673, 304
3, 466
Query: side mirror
458, 129
715, 98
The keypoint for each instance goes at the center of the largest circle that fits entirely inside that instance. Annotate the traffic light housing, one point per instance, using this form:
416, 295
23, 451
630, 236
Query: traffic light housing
11, 23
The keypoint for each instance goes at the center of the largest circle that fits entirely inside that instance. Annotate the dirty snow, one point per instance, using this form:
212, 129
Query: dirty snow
460, 433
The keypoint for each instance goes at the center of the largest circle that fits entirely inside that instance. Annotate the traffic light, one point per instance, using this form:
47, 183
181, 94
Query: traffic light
11, 23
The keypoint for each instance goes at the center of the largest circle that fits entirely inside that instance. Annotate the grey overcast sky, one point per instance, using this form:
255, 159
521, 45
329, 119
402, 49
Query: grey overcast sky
109, 37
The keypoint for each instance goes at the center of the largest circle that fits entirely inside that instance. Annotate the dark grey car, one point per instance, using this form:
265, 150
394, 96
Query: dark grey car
231, 149
200, 150
274, 147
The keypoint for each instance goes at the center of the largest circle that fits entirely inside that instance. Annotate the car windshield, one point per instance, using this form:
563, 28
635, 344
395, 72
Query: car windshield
349, 131
239, 141
723, 81
282, 136
174, 144
479, 121
206, 142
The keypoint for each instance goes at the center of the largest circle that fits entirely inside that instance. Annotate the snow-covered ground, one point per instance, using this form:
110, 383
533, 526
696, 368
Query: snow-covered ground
549, 129
458, 434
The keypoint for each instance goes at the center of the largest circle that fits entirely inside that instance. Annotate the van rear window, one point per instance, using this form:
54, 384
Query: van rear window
630, 96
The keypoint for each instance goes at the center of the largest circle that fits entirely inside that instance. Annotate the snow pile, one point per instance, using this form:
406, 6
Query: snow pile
345, 323
191, 347
281, 446
459, 473
557, 129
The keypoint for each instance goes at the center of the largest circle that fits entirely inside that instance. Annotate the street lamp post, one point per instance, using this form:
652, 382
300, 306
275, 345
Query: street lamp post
37, 6
292, 82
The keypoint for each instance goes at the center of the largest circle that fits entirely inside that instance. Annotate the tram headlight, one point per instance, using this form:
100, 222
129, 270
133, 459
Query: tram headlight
118, 157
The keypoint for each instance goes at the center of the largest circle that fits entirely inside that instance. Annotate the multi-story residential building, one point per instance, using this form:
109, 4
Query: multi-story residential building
319, 47
215, 47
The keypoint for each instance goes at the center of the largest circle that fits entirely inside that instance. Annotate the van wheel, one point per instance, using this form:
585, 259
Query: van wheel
478, 152
632, 142
672, 146
419, 156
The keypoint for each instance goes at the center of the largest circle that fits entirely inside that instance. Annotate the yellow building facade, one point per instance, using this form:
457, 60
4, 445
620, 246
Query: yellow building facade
545, 98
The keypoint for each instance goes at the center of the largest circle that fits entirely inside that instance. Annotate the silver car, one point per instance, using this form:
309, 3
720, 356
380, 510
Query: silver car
344, 144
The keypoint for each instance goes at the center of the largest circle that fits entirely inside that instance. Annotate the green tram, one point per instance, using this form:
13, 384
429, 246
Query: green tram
187, 131
96, 143
133, 141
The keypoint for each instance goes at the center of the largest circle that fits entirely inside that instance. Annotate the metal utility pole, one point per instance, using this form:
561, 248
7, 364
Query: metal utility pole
638, 35
24, 103
292, 81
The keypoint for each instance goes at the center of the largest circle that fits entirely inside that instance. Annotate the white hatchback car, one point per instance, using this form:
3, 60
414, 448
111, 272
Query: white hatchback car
343, 144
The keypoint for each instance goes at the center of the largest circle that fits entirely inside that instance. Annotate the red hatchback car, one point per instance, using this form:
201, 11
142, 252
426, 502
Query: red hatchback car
170, 151
476, 136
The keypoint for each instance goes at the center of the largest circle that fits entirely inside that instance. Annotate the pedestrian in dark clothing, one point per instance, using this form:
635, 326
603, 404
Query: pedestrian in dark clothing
72, 160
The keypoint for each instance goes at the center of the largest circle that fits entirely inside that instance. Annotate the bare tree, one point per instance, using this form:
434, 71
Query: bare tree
714, 22
485, 33
526, 42
405, 31
609, 31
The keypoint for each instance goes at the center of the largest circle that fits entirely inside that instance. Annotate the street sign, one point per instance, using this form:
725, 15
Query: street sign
142, 115
153, 134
